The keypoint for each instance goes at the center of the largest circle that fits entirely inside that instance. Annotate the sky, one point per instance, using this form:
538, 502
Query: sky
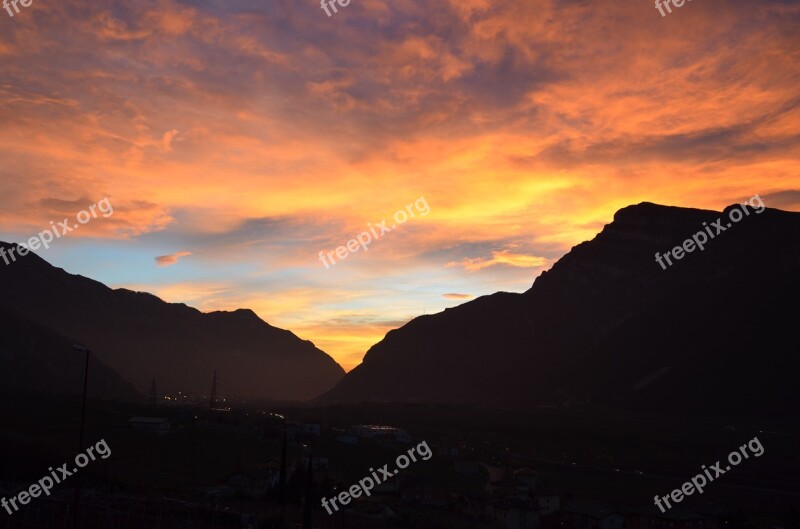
237, 139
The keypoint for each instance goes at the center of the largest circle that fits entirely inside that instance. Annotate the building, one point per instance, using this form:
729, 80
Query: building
590, 514
513, 513
312, 429
318, 464
369, 513
254, 483
547, 503
469, 467
382, 433
448, 451
216, 492
651, 517
150, 424
418, 490
508, 487
527, 475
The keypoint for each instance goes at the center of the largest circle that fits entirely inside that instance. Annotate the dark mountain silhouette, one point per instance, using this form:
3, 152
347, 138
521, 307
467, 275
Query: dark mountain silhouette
34, 358
143, 337
715, 331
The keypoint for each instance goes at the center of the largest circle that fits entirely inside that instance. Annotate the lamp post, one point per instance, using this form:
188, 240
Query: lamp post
80, 349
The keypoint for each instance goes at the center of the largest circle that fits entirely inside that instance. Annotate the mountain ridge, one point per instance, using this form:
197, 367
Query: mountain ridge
143, 337
553, 342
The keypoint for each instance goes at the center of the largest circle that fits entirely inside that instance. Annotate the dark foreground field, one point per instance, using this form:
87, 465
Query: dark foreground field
621, 458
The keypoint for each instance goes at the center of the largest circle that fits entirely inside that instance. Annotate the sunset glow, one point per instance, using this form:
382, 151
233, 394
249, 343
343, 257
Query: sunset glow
237, 140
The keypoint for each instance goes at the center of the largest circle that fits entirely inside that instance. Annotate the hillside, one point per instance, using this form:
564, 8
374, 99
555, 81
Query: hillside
607, 324
143, 337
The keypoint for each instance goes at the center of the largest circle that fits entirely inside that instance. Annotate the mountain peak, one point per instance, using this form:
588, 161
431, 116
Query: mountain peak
243, 316
651, 214
606, 316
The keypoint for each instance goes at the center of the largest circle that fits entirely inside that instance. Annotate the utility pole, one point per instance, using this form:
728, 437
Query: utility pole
308, 506
83, 424
213, 392
282, 475
282, 480
153, 398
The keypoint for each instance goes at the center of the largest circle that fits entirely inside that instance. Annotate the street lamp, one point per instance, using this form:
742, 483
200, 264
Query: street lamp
81, 349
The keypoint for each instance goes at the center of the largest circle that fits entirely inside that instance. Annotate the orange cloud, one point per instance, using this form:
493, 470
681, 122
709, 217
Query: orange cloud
501, 257
521, 123
166, 140
457, 296
169, 260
